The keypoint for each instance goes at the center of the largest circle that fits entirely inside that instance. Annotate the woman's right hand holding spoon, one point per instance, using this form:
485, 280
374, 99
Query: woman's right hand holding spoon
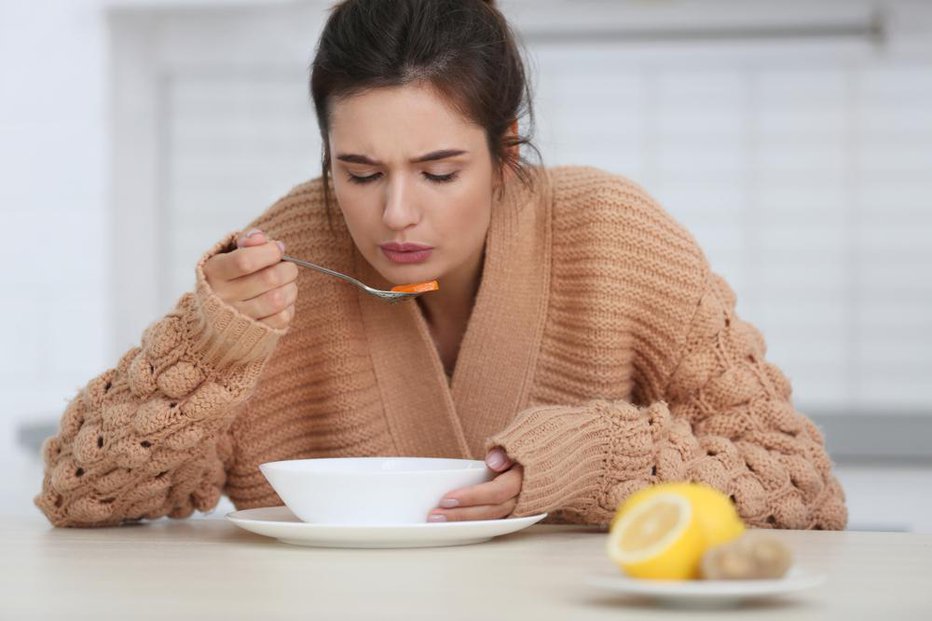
254, 279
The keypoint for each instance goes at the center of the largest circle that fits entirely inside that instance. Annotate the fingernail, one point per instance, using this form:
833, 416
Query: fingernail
281, 245
449, 503
495, 459
252, 232
436, 517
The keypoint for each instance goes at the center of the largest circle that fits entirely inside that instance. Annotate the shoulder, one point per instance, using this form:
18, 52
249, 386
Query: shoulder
303, 202
612, 211
615, 247
588, 195
583, 183
302, 220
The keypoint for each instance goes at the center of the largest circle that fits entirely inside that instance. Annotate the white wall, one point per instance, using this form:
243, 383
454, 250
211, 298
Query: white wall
53, 196
56, 259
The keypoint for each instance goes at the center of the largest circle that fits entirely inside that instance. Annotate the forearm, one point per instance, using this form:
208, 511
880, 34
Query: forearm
583, 461
146, 438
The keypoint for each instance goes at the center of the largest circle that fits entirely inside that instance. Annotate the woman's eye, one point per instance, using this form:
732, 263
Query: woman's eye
367, 179
441, 178
357, 179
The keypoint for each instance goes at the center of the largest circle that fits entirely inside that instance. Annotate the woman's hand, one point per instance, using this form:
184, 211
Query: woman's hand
254, 279
487, 501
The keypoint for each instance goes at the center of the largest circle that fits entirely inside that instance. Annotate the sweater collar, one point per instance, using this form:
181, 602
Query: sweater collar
429, 415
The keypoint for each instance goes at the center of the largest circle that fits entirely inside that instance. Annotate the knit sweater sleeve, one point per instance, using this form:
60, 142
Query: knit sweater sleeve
148, 438
724, 418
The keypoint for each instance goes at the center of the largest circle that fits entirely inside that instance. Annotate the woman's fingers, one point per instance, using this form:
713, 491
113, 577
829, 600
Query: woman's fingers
496, 491
482, 512
245, 260
254, 279
266, 279
255, 237
483, 500
270, 303
497, 459
280, 320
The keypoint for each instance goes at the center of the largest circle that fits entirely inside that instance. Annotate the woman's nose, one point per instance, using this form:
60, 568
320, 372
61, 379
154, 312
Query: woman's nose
400, 211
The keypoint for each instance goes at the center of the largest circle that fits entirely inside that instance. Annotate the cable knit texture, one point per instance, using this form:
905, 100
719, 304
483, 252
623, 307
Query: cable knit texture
602, 354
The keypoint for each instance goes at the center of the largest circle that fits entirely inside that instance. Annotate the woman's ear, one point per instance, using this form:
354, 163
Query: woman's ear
512, 152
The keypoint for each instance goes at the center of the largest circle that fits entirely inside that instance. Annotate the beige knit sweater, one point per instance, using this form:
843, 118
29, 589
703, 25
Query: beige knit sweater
602, 354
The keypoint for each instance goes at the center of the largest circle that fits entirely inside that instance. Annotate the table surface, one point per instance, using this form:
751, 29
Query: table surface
209, 568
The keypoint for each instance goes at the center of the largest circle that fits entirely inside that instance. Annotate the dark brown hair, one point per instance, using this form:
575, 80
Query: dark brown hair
464, 49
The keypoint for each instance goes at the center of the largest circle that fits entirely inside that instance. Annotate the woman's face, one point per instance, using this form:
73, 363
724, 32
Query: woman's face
414, 181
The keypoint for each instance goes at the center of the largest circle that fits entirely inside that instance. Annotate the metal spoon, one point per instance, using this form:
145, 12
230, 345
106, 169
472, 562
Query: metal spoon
390, 296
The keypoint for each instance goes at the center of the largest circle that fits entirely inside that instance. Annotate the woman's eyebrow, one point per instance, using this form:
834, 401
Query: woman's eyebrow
438, 155
355, 158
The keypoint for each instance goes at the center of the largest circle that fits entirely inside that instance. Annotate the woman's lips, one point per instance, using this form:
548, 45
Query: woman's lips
406, 254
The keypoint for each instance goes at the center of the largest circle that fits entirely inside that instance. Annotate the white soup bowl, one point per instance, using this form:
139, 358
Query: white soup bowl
370, 490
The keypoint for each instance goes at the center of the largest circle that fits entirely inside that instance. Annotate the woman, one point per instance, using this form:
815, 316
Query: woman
579, 342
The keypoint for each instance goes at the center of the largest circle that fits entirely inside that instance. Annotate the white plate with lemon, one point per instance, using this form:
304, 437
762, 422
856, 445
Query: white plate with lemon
711, 593
684, 544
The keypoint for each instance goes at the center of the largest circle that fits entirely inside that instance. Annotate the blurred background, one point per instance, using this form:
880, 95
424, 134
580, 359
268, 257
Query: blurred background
794, 139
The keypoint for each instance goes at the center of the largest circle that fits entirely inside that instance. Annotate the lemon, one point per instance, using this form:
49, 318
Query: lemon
659, 538
661, 532
717, 514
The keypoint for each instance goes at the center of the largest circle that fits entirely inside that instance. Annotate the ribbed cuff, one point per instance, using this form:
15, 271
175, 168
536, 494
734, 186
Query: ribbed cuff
575, 457
224, 336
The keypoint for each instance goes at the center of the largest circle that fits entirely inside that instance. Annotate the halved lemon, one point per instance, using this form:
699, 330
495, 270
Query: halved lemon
716, 513
658, 537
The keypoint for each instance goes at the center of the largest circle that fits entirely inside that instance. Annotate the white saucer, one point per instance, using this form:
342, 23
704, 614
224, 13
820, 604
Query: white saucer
706, 593
281, 523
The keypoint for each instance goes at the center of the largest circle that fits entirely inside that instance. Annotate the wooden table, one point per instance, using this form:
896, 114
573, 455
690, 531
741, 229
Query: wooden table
209, 569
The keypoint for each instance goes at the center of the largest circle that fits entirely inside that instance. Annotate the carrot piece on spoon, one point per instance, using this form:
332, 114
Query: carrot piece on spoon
420, 287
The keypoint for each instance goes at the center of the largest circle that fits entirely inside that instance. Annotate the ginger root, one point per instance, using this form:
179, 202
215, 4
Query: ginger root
752, 556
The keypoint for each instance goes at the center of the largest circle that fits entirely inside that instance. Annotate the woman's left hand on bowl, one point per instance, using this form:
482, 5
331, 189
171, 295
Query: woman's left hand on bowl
492, 500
